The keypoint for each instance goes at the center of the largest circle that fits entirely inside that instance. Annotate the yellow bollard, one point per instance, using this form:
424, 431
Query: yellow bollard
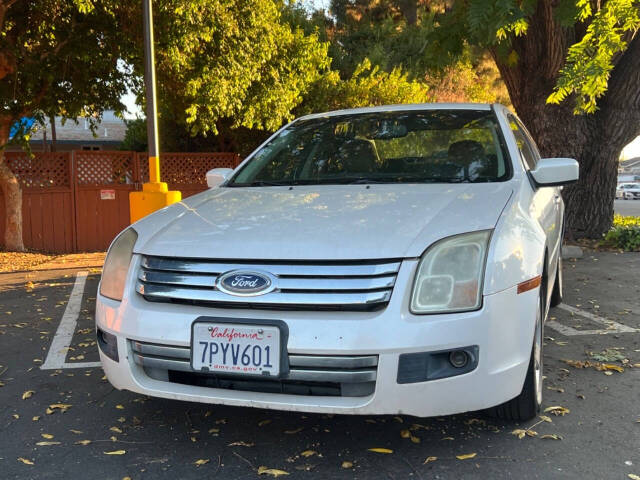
154, 195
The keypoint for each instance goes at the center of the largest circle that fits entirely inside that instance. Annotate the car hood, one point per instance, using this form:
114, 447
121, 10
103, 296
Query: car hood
327, 222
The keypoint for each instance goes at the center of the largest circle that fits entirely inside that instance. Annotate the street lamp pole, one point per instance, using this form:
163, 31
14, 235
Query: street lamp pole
150, 90
155, 194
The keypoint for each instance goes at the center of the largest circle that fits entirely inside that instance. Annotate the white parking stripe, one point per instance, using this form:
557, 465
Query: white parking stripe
612, 326
62, 339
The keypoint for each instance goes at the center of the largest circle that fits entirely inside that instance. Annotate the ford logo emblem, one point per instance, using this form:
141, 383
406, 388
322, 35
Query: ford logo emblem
246, 283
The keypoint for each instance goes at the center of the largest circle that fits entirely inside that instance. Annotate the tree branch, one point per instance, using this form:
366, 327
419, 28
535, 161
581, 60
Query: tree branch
620, 108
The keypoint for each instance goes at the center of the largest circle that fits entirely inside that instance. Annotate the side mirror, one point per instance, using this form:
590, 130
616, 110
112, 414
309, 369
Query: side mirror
550, 172
218, 175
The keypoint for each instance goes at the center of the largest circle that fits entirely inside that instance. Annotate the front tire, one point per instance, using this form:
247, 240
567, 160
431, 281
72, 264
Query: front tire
527, 404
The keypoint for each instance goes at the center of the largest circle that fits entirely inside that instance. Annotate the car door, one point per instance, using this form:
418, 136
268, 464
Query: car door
547, 205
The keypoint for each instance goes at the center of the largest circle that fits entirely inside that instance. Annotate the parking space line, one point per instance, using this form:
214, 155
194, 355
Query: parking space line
612, 326
62, 339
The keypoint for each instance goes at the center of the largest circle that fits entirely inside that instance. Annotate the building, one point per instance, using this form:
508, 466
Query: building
78, 136
629, 170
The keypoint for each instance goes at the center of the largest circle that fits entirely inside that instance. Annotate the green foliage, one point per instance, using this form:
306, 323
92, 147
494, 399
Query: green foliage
135, 138
60, 58
368, 86
590, 61
232, 59
624, 234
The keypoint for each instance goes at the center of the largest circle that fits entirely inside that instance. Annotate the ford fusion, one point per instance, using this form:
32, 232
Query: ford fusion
387, 260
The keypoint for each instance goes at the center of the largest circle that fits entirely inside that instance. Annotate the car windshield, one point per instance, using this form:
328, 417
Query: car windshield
437, 146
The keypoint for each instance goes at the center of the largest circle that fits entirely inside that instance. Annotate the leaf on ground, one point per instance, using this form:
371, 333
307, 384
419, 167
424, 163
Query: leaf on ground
521, 433
28, 394
120, 407
380, 450
551, 436
414, 439
262, 423
25, 461
466, 456
308, 453
77, 432
115, 452
83, 442
115, 429
555, 389
262, 470
405, 433
63, 407
241, 444
347, 464
296, 430
202, 461
544, 418
429, 460
557, 410
46, 444
48, 436
36, 418
633, 476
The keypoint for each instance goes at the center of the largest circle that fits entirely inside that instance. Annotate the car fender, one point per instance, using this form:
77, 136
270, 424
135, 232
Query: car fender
517, 250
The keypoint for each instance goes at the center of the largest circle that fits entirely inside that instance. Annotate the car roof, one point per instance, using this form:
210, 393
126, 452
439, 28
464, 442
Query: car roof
401, 108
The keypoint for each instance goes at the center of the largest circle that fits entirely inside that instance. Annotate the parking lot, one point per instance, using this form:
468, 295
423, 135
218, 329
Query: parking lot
59, 417
627, 207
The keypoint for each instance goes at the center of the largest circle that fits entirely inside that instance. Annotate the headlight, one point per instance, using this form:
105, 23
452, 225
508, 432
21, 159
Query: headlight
116, 265
449, 277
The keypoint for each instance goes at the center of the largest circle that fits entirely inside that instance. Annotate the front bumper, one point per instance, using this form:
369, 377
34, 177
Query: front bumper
502, 329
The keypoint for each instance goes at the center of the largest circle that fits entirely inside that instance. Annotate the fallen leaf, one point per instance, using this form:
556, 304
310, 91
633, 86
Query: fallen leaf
430, 459
262, 470
115, 429
633, 476
347, 464
557, 410
16, 416
119, 407
546, 419
555, 389
405, 433
291, 432
308, 453
414, 439
214, 430
202, 461
262, 423
116, 452
519, 432
77, 432
241, 444
551, 437
466, 456
380, 450
83, 442
25, 461
45, 444
27, 394
63, 407
36, 418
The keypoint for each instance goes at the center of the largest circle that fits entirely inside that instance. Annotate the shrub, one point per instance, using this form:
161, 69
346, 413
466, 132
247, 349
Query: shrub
624, 234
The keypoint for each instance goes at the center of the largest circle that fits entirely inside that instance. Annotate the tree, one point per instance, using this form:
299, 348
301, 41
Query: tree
572, 69
57, 57
231, 61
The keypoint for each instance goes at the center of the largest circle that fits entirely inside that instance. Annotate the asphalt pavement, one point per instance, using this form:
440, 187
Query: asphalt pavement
70, 423
627, 207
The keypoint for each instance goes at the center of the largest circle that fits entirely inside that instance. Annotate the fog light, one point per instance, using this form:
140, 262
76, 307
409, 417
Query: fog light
459, 358
108, 344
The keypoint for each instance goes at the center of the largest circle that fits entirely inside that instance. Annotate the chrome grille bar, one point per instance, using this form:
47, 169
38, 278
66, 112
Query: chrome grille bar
298, 285
311, 368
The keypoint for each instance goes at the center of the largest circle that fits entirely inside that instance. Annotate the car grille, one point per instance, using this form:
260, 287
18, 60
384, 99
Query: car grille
335, 375
349, 285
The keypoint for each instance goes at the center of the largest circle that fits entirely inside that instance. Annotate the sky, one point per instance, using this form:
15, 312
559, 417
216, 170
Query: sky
632, 150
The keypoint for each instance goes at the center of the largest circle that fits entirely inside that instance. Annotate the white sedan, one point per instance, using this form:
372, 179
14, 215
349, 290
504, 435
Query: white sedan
387, 260
628, 191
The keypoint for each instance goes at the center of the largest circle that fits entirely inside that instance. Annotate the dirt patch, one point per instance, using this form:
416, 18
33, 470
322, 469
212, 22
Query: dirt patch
29, 261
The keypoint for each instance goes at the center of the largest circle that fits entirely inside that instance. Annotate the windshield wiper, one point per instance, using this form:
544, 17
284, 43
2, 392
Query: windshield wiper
259, 183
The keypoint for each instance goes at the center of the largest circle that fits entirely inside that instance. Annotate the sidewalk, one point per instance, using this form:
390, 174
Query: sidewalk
12, 262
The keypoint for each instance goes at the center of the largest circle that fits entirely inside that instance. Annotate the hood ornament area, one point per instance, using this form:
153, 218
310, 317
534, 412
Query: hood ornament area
246, 283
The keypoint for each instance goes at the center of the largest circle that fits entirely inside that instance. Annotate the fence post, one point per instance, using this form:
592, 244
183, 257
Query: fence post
73, 185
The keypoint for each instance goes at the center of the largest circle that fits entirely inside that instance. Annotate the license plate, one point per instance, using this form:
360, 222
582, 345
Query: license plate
235, 348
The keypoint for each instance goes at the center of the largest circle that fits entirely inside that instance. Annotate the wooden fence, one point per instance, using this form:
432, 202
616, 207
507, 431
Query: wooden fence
78, 201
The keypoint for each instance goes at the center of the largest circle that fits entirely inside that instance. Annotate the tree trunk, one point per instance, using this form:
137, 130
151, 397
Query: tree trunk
594, 140
10, 187
54, 138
